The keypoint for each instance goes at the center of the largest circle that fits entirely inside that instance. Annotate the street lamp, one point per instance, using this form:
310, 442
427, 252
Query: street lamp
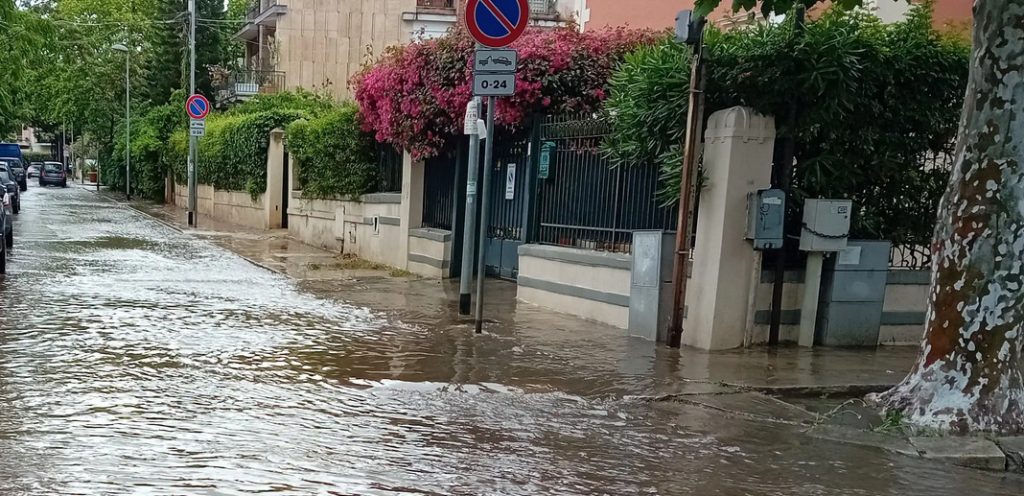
128, 117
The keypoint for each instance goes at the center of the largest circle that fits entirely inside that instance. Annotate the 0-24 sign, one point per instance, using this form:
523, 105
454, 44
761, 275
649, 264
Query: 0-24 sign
494, 84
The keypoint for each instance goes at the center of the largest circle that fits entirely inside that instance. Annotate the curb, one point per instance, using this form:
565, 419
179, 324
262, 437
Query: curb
841, 390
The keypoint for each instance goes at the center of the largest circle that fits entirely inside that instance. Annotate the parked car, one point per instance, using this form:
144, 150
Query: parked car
34, 170
10, 186
7, 228
17, 167
53, 173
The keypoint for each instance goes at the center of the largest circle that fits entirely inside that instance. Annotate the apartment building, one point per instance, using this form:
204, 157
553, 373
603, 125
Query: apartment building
661, 14
320, 44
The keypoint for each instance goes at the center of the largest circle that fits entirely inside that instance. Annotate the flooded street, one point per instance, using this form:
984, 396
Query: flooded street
135, 359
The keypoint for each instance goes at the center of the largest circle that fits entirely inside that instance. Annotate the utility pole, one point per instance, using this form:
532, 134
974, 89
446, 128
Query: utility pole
193, 141
782, 179
472, 193
128, 122
693, 34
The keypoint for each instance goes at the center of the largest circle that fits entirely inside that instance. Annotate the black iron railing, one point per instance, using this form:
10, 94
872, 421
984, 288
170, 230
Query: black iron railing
586, 202
436, 4
247, 83
389, 169
538, 8
439, 191
258, 7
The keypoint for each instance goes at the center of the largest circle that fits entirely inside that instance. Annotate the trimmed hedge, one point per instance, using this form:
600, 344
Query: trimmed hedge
233, 154
337, 157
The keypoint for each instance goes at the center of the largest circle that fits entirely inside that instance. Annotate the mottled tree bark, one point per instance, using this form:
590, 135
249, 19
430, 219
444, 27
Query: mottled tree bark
969, 375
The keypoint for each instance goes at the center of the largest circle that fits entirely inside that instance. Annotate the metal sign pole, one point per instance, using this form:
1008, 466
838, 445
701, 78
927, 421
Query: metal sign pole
485, 212
469, 232
193, 143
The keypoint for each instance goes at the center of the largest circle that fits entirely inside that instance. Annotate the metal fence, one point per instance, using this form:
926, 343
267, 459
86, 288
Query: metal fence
587, 203
389, 169
260, 6
439, 191
436, 4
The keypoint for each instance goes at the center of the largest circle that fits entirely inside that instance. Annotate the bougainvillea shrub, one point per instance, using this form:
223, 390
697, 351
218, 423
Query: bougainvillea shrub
415, 96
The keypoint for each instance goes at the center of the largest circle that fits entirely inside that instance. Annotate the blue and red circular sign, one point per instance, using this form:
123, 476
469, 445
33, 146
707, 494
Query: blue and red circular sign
197, 107
497, 23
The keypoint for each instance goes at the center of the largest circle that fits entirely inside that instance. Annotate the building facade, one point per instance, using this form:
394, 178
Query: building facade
320, 44
661, 14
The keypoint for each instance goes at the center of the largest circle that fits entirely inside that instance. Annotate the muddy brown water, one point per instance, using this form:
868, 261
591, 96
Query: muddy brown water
138, 360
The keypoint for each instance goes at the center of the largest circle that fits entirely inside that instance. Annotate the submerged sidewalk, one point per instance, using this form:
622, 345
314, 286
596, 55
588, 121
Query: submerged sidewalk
433, 304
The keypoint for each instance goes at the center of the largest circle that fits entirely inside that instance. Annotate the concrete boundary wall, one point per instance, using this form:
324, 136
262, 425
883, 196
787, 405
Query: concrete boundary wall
588, 284
368, 230
903, 314
596, 286
236, 207
430, 252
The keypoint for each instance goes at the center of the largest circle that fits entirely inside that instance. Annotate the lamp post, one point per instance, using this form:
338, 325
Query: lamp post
128, 117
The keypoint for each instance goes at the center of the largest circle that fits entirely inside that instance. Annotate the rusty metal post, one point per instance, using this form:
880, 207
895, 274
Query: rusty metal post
695, 126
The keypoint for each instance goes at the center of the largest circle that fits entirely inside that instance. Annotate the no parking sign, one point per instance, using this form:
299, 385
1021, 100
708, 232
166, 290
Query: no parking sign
497, 23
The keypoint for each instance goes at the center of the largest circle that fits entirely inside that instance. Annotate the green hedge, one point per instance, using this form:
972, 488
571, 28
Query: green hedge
874, 102
233, 154
38, 156
336, 156
151, 131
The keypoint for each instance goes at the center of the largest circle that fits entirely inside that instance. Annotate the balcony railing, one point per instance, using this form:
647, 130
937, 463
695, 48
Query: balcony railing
538, 8
245, 84
260, 6
435, 4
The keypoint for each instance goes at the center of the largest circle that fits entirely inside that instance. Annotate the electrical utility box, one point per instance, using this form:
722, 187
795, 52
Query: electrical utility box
650, 296
853, 295
766, 217
826, 225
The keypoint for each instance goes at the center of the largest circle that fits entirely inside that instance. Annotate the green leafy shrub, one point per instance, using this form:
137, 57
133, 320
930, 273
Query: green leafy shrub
37, 156
301, 100
233, 154
336, 157
151, 157
874, 102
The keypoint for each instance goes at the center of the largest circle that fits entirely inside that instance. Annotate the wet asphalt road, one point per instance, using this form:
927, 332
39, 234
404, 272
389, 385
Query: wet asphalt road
138, 360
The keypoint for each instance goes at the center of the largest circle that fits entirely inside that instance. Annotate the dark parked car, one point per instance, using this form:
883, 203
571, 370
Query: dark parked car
10, 186
18, 169
7, 228
53, 173
34, 170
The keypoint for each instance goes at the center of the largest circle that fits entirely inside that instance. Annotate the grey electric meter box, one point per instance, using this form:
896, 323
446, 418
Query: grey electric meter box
826, 225
766, 218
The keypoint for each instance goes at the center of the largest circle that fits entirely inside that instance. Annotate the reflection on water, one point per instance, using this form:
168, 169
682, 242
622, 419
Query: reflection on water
136, 360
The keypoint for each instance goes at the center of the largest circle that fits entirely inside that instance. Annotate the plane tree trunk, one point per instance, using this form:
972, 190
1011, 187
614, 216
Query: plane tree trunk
969, 375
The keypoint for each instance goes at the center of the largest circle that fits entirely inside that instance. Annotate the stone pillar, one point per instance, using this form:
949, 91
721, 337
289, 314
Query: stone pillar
737, 160
412, 203
273, 199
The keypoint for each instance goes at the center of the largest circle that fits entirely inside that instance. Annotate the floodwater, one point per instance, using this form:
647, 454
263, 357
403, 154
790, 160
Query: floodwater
138, 360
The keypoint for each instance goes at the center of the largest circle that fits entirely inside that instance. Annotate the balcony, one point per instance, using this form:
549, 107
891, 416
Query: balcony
538, 8
261, 13
435, 4
432, 18
240, 85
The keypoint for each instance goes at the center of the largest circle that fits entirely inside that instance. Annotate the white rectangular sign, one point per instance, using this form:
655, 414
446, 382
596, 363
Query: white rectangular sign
494, 84
510, 183
197, 127
496, 61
